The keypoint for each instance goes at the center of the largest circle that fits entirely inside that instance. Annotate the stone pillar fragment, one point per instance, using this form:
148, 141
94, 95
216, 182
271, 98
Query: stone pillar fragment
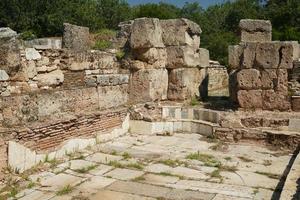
255, 30
76, 38
184, 83
148, 85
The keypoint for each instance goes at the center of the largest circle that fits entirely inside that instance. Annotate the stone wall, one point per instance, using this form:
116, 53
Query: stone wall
259, 79
56, 90
166, 60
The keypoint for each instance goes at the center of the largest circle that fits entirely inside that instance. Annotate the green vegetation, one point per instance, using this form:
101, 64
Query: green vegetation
207, 159
140, 178
194, 101
117, 164
102, 45
120, 55
219, 22
173, 163
65, 190
84, 170
126, 155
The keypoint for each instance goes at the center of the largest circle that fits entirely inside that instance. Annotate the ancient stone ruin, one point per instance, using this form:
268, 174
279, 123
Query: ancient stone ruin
260, 79
146, 114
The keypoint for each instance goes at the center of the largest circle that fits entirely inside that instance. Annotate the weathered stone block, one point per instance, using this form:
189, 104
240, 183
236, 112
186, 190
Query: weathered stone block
76, 38
184, 83
148, 85
282, 82
267, 55
255, 30
146, 33
7, 33
112, 96
249, 79
235, 56
3, 75
53, 78
249, 55
182, 56
154, 57
44, 43
250, 99
273, 55
204, 57
30, 70
273, 100
218, 82
286, 55
180, 32
269, 78
9, 51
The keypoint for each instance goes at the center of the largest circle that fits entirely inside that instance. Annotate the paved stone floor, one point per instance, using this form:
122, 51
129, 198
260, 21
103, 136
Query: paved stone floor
178, 167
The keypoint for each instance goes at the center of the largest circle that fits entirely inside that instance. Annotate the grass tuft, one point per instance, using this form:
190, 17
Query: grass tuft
65, 190
84, 170
207, 159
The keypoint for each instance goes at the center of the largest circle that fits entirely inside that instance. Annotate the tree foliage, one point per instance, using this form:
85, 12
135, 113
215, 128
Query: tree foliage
219, 22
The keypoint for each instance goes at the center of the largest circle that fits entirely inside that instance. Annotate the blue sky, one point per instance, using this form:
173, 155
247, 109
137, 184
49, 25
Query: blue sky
203, 3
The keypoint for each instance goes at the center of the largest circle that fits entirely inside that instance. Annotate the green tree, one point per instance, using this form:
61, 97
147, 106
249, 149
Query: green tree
160, 10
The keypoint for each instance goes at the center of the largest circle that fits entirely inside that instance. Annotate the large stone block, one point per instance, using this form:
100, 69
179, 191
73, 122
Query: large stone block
112, 96
235, 53
267, 55
286, 55
204, 57
249, 79
154, 57
53, 78
148, 85
282, 82
218, 82
269, 78
249, 55
76, 38
255, 30
273, 100
273, 55
250, 99
146, 33
180, 32
10, 58
184, 83
44, 43
182, 56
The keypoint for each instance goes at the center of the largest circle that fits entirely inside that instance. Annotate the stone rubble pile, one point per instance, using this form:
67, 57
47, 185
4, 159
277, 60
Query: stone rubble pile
260, 76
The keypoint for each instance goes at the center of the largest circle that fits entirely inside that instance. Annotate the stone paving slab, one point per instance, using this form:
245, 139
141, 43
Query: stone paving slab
113, 195
124, 174
250, 179
139, 189
208, 187
59, 181
38, 195
76, 164
246, 171
159, 180
95, 184
100, 170
103, 158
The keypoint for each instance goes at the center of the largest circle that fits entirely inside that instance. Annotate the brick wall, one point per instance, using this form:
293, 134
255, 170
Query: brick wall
49, 136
